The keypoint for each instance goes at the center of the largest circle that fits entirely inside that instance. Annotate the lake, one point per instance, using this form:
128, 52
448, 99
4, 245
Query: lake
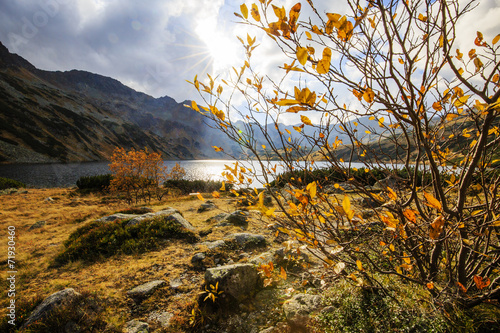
66, 174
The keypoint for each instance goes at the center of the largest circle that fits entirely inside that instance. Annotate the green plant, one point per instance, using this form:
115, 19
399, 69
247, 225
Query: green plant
6, 183
94, 183
192, 186
103, 239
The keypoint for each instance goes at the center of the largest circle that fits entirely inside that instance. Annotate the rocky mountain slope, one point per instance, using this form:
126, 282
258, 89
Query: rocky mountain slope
80, 116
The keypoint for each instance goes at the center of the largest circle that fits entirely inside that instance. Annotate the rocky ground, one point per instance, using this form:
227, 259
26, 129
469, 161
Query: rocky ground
238, 276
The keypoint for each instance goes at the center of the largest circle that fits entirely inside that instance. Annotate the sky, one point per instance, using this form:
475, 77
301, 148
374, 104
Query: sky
154, 46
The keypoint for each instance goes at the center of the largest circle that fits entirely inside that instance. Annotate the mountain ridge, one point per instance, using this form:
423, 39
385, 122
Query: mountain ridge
77, 116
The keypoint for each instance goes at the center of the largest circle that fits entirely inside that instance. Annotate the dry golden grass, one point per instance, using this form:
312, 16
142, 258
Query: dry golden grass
110, 277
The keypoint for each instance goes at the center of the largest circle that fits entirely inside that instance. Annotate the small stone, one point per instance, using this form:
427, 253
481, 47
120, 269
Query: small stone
37, 225
145, 290
136, 326
197, 259
161, 317
49, 199
237, 281
298, 309
206, 206
247, 240
215, 244
175, 283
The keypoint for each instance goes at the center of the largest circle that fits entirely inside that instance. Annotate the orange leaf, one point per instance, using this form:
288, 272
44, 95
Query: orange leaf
200, 197
283, 274
255, 13
430, 285
410, 215
392, 195
481, 282
462, 288
436, 227
432, 202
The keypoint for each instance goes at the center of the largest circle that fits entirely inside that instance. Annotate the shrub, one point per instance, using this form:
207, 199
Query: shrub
94, 183
190, 186
354, 309
104, 239
6, 183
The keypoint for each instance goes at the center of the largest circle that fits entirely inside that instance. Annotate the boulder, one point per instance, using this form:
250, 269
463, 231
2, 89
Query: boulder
237, 281
117, 216
135, 326
139, 218
218, 218
215, 244
298, 309
49, 304
145, 290
247, 240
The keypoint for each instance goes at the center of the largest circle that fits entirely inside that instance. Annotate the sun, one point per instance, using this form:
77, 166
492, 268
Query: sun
215, 50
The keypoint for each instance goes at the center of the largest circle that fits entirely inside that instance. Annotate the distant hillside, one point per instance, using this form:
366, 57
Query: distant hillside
80, 116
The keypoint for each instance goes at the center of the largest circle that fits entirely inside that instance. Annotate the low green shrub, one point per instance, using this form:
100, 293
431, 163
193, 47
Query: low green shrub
94, 183
395, 309
190, 186
328, 176
6, 183
103, 239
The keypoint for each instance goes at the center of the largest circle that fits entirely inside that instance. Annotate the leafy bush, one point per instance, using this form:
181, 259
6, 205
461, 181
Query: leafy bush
104, 239
6, 183
190, 186
355, 309
96, 183
328, 176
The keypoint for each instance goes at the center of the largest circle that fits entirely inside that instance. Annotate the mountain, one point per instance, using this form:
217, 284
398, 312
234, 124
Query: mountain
78, 116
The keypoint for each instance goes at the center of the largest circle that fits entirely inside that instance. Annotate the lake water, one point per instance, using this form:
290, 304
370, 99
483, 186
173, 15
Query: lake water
66, 175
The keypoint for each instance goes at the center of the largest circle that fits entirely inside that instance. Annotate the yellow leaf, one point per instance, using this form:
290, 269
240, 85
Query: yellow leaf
422, 18
302, 55
215, 194
305, 120
437, 106
244, 11
298, 129
496, 39
323, 65
286, 102
312, 188
359, 264
451, 116
223, 187
200, 197
194, 106
392, 248
369, 95
368, 132
308, 35
263, 146
255, 13
392, 195
432, 202
406, 259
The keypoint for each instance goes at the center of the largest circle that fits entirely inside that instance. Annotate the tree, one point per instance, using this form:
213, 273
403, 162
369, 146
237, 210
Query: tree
432, 128
139, 174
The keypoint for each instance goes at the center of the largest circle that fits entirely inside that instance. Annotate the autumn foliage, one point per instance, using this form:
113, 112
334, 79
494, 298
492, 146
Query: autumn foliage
425, 108
137, 174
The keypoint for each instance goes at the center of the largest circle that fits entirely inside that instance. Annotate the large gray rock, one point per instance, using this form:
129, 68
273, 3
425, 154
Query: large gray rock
238, 218
49, 304
135, 326
117, 216
215, 244
237, 281
165, 212
298, 309
145, 290
247, 240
